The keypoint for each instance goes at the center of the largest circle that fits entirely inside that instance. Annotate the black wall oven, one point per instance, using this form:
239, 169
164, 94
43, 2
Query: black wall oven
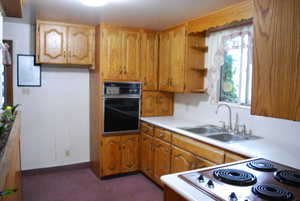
121, 107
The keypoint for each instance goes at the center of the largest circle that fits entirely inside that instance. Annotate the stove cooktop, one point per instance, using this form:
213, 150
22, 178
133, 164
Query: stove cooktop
252, 180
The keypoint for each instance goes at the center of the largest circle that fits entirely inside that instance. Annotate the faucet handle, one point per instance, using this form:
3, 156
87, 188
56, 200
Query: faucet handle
223, 124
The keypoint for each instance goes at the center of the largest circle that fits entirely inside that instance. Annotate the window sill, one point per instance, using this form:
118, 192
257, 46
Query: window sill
236, 105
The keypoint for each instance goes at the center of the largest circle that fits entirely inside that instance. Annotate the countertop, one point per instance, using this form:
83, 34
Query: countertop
266, 147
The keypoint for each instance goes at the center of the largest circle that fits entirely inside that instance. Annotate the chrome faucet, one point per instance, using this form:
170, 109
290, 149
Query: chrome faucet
230, 114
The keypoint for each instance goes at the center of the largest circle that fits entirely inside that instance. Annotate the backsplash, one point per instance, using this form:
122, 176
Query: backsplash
197, 107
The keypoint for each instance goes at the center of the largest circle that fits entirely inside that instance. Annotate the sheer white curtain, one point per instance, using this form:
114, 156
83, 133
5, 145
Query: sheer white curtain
1, 64
214, 59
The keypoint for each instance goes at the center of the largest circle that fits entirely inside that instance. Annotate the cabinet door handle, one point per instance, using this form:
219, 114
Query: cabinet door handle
161, 135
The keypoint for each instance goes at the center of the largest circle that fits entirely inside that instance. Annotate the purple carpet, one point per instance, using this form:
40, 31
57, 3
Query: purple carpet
83, 185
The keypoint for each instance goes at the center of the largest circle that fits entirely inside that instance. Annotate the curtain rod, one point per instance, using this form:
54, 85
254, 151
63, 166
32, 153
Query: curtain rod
230, 26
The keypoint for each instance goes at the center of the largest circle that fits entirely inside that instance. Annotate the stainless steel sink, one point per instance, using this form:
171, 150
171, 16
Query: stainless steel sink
204, 130
227, 137
218, 133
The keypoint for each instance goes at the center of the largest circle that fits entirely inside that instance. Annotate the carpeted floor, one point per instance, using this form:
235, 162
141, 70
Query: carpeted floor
83, 185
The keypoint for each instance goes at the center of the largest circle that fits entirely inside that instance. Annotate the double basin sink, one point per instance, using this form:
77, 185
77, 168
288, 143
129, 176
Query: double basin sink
217, 133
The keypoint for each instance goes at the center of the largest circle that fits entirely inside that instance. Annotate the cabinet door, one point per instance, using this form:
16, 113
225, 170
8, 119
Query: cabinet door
51, 43
80, 45
164, 104
162, 156
111, 61
276, 59
164, 61
149, 61
130, 153
131, 47
111, 155
203, 163
177, 59
147, 155
149, 100
181, 160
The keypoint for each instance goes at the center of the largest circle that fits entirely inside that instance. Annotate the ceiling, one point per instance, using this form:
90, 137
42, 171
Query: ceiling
150, 14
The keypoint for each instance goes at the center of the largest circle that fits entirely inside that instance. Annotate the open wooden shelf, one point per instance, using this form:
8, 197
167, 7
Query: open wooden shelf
203, 48
201, 91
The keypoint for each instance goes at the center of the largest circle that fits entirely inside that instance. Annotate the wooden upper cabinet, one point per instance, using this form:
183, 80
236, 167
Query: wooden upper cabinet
181, 160
147, 155
149, 103
165, 104
178, 52
60, 43
110, 59
164, 61
131, 46
111, 155
157, 103
162, 157
81, 45
51, 43
130, 153
149, 60
276, 73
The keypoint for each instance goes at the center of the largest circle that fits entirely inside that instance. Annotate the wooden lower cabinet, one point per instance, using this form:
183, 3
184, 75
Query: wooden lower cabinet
147, 155
170, 195
157, 104
129, 153
120, 154
230, 158
182, 160
162, 157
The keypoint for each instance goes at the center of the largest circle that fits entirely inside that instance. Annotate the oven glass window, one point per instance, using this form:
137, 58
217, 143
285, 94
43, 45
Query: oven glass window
121, 114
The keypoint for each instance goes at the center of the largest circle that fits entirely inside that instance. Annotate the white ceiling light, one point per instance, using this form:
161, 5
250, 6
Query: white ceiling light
95, 3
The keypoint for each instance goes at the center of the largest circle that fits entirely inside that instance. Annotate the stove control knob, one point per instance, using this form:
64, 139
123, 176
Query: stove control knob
233, 197
201, 178
210, 184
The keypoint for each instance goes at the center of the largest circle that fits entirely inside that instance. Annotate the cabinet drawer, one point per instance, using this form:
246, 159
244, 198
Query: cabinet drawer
147, 129
200, 149
202, 163
162, 134
230, 157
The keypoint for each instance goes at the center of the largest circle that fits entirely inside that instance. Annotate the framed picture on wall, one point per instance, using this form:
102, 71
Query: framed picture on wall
28, 73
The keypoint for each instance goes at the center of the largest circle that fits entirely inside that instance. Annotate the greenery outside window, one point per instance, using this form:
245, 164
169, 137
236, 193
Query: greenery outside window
236, 72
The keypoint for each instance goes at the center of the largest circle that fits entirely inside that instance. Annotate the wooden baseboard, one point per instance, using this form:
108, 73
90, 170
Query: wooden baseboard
55, 169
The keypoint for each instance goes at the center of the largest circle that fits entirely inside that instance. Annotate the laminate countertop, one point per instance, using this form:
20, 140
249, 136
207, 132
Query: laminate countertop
267, 148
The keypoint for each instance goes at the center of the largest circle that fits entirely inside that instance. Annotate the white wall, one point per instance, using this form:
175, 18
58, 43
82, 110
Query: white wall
197, 107
55, 117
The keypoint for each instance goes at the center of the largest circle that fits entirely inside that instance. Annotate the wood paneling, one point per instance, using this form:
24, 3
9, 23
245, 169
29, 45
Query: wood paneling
236, 12
162, 134
275, 90
147, 155
111, 155
131, 47
164, 61
61, 43
157, 103
181, 160
12, 8
162, 157
130, 153
165, 104
147, 129
111, 54
203, 150
81, 45
170, 195
178, 53
230, 157
10, 164
52, 40
149, 61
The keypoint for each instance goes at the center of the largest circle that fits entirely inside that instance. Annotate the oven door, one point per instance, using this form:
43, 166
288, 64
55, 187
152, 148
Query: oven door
121, 115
